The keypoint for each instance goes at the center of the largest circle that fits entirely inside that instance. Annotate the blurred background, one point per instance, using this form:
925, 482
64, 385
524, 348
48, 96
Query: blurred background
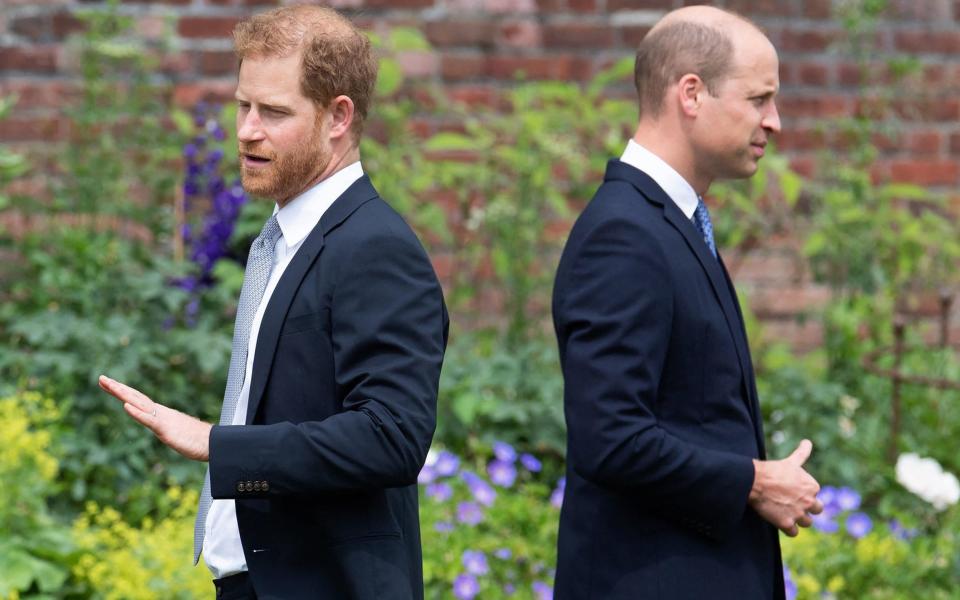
123, 232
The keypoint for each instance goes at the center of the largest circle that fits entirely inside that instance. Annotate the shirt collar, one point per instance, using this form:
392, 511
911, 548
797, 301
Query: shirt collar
679, 190
299, 216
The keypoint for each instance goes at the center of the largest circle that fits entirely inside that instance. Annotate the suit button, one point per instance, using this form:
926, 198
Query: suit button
249, 486
256, 486
240, 486
265, 486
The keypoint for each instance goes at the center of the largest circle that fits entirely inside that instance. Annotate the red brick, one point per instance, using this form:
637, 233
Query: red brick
816, 106
520, 34
35, 59
64, 24
456, 67
850, 75
188, 94
928, 110
553, 6
399, 3
804, 336
807, 40
479, 95
804, 166
578, 35
784, 301
418, 64
16, 128
460, 33
938, 42
955, 144
812, 74
638, 4
32, 93
925, 143
801, 139
763, 7
206, 27
582, 5
34, 28
817, 9
925, 172
632, 35
525, 7
176, 64
213, 62
534, 67
245, 2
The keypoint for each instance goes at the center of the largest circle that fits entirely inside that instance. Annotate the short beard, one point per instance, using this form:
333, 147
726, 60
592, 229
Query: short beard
288, 174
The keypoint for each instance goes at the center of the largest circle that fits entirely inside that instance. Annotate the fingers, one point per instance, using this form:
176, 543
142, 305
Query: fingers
802, 453
139, 406
791, 531
805, 521
816, 508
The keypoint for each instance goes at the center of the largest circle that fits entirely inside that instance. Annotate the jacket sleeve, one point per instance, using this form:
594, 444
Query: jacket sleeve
613, 309
389, 332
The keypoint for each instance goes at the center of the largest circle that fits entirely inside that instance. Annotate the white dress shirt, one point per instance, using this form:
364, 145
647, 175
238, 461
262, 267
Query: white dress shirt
679, 190
222, 551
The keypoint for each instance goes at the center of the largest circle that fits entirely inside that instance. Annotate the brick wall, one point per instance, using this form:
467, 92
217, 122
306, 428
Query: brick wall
478, 46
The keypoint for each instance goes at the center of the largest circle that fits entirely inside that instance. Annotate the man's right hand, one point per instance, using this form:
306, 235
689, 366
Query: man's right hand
783, 493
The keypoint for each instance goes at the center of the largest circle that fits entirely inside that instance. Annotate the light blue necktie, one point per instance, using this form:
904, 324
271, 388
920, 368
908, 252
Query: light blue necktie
255, 278
701, 218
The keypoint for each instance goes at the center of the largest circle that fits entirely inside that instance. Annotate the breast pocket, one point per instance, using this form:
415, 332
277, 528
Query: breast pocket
315, 321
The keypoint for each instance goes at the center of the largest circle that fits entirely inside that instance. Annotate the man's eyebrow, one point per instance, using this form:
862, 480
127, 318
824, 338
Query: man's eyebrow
266, 105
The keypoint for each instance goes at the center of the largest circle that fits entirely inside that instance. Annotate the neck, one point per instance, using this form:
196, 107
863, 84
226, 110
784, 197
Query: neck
667, 143
338, 162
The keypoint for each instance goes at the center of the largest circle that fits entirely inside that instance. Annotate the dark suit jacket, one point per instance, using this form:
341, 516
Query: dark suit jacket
343, 402
661, 410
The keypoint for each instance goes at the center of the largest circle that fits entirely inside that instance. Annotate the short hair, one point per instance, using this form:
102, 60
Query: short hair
669, 52
337, 56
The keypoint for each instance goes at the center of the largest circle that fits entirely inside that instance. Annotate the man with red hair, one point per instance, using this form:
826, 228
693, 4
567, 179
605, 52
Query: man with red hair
330, 404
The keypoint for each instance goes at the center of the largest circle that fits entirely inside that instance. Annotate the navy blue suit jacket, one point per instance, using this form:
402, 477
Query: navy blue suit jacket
661, 410
343, 398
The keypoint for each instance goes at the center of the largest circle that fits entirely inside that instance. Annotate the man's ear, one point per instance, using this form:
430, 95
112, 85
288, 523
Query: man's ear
691, 90
340, 112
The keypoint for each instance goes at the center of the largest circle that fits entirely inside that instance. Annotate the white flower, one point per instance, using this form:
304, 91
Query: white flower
927, 479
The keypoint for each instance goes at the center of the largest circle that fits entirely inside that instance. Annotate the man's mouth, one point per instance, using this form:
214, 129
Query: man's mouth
253, 160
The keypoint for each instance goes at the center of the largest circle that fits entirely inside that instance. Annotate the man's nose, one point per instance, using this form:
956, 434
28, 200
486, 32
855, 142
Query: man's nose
771, 120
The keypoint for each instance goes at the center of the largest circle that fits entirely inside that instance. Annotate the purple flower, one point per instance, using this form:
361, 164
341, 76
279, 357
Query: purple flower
475, 562
847, 499
444, 526
900, 532
427, 475
825, 522
469, 513
859, 525
504, 451
509, 589
789, 585
446, 464
828, 497
190, 150
441, 492
465, 587
502, 473
482, 491
531, 463
503, 553
542, 591
556, 498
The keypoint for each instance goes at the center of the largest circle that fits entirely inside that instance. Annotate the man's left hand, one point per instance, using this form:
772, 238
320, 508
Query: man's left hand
185, 434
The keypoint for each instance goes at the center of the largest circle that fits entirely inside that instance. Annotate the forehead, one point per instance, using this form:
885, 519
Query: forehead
755, 63
270, 79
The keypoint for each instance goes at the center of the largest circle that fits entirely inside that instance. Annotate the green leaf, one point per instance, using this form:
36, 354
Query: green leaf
403, 39
389, 78
182, 120
450, 141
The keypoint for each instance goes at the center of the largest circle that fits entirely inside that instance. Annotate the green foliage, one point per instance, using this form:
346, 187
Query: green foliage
511, 174
120, 562
34, 547
883, 565
517, 534
12, 165
515, 396
92, 289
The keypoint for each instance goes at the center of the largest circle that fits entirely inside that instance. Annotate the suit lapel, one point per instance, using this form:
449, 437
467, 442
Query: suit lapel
713, 267
276, 312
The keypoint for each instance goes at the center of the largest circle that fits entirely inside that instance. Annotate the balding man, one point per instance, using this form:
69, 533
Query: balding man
330, 404
668, 492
